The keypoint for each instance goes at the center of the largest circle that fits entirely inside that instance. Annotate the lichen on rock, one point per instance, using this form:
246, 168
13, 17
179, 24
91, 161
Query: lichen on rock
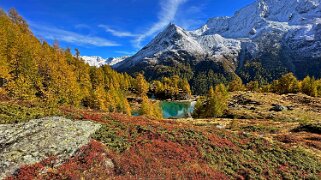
38, 139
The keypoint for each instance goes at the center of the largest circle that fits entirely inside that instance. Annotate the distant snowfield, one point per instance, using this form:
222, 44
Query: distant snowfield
99, 61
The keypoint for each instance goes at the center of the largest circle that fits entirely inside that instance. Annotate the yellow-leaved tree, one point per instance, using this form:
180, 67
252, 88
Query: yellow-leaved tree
214, 104
142, 85
33, 70
309, 86
150, 109
236, 84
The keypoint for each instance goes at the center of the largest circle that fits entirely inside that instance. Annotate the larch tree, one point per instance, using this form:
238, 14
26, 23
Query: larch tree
287, 84
33, 70
186, 87
214, 104
142, 85
236, 84
4, 64
309, 86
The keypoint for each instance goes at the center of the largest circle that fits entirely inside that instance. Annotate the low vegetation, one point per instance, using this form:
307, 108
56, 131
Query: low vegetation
13, 112
89, 162
161, 149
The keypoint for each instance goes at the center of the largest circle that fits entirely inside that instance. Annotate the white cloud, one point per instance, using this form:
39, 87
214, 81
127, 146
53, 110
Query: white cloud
53, 33
82, 26
165, 16
116, 32
126, 53
192, 17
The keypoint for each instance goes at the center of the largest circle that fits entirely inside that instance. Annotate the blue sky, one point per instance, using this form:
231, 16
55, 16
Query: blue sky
112, 28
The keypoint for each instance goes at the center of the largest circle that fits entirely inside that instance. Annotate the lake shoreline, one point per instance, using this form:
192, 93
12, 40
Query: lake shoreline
193, 98
177, 109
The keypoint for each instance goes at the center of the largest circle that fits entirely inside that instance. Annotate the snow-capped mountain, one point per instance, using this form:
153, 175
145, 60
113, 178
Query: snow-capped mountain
283, 33
99, 61
265, 15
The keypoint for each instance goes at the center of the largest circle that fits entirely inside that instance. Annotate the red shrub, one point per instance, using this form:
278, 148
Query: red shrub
203, 171
221, 142
284, 168
160, 159
93, 116
287, 139
88, 163
30, 172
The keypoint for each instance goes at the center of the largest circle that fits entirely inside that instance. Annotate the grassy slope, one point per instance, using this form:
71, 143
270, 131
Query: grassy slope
259, 147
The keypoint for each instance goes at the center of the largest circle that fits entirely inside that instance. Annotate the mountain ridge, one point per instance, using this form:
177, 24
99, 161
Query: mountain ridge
286, 31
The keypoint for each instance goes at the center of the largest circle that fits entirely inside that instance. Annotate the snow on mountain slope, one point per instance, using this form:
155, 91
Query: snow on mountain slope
174, 39
94, 60
217, 45
264, 13
99, 61
285, 29
114, 61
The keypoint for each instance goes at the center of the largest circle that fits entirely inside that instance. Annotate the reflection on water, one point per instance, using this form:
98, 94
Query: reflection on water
177, 109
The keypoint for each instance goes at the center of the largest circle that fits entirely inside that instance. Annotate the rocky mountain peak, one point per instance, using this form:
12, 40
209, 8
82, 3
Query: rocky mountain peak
287, 30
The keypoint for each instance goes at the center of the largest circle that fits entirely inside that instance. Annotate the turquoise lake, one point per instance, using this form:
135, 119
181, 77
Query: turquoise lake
177, 109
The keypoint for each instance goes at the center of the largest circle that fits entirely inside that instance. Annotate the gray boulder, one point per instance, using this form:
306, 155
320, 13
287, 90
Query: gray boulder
278, 108
33, 141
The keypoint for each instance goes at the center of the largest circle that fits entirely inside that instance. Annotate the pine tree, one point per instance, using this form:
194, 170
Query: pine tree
99, 97
150, 109
221, 90
214, 105
18, 20
186, 87
21, 57
145, 106
126, 105
157, 111
4, 65
175, 85
97, 77
199, 109
253, 86
314, 90
318, 82
158, 87
77, 53
217, 101
287, 84
309, 86
142, 85
236, 85
82, 71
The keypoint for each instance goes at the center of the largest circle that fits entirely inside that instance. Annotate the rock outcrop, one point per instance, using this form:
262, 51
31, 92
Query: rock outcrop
36, 140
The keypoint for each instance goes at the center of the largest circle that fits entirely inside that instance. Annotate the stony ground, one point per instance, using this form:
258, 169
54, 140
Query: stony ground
262, 136
280, 118
38, 139
268, 106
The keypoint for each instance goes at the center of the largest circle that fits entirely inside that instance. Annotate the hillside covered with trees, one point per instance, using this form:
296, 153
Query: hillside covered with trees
32, 70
